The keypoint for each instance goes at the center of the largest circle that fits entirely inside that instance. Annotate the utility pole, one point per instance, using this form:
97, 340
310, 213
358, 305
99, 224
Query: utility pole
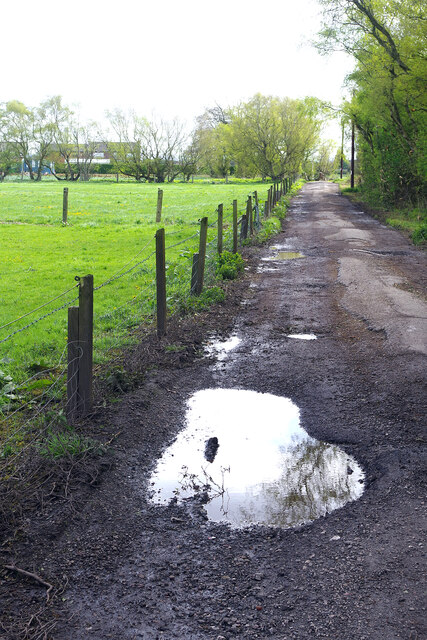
352, 155
342, 149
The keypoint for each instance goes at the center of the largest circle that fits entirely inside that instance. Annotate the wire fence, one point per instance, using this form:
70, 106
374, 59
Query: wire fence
29, 409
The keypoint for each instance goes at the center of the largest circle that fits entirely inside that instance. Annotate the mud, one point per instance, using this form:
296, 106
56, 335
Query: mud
126, 568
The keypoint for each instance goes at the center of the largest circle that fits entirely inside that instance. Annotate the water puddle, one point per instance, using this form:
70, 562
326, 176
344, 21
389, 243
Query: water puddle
245, 456
302, 336
284, 255
221, 348
262, 269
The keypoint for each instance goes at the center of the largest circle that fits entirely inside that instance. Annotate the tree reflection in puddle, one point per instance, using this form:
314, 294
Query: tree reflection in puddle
264, 467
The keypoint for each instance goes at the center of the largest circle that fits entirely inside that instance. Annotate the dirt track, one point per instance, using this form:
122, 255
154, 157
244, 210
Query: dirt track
135, 570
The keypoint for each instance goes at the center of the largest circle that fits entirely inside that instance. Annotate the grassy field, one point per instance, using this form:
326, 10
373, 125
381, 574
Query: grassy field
110, 225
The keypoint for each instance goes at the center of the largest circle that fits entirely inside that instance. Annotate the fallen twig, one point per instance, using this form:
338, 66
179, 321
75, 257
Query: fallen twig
33, 576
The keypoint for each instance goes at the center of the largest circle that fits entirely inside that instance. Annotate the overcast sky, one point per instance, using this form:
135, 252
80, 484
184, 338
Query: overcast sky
169, 58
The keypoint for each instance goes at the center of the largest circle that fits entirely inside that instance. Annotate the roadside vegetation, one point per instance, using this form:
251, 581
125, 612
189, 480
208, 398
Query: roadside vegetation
387, 108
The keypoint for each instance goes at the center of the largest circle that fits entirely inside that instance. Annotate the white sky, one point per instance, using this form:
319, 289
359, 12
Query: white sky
169, 58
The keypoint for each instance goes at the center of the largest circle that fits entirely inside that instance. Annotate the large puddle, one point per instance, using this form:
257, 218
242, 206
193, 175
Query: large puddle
246, 457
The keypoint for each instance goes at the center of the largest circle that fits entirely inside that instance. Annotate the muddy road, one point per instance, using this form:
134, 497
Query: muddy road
131, 569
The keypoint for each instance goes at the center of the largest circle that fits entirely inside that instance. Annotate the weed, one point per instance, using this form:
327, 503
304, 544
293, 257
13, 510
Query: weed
118, 380
8, 394
69, 443
229, 265
175, 348
270, 227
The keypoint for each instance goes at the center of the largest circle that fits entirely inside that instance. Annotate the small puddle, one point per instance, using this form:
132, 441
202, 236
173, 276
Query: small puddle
245, 456
288, 255
285, 255
266, 269
221, 348
302, 336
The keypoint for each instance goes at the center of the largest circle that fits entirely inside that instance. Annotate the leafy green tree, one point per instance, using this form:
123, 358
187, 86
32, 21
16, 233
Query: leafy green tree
74, 144
211, 142
388, 107
8, 159
272, 137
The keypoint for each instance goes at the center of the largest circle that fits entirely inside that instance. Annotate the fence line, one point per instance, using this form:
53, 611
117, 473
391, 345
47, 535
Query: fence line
79, 398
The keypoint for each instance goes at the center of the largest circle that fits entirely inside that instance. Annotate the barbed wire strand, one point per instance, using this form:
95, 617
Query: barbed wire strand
45, 304
126, 319
46, 315
130, 261
172, 246
121, 275
130, 300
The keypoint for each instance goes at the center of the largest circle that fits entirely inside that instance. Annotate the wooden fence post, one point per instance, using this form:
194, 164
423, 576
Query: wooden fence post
202, 255
220, 226
244, 228
234, 226
159, 205
65, 206
194, 274
161, 282
73, 364
250, 215
86, 345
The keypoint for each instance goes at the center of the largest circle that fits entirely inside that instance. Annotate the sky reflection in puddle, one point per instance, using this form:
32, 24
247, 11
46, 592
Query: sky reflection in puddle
302, 336
248, 452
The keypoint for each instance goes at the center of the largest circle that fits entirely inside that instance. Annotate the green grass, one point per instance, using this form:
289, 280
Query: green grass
68, 443
109, 224
411, 220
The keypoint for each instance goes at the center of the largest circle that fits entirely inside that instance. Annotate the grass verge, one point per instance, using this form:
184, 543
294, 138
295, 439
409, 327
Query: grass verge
411, 220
